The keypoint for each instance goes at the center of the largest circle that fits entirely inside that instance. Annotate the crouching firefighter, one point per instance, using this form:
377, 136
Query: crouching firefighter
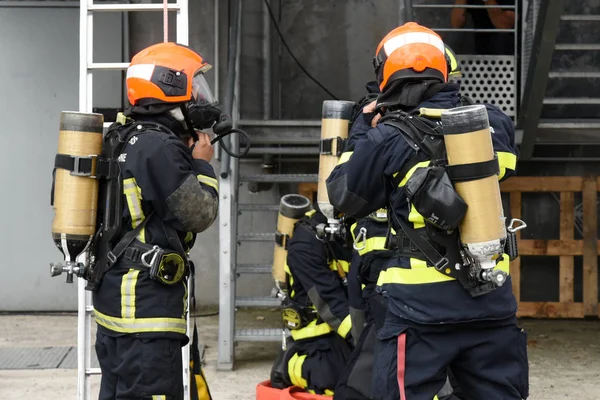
157, 191
450, 300
314, 297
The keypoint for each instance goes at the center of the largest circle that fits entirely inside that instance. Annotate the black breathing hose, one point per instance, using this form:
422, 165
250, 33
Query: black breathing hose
244, 150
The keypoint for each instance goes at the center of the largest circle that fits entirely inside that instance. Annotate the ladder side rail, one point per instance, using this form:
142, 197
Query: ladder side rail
182, 37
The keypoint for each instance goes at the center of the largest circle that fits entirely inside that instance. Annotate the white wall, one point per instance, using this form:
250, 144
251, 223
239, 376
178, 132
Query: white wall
39, 78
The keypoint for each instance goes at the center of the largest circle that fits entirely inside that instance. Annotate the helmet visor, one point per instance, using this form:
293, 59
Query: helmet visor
201, 92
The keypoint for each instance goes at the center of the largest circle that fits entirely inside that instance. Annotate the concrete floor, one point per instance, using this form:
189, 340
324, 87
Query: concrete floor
564, 358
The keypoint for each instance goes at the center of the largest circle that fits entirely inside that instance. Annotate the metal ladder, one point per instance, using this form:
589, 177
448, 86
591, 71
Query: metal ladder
87, 65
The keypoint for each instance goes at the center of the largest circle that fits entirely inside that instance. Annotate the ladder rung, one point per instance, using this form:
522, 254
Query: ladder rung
572, 100
108, 66
93, 371
257, 237
280, 178
258, 335
257, 302
253, 268
132, 7
258, 207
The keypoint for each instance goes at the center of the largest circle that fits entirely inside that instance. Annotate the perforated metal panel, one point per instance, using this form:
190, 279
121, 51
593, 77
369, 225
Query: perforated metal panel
489, 79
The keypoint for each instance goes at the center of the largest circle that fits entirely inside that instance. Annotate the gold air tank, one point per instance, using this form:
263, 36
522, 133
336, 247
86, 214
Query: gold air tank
292, 207
335, 123
75, 196
468, 140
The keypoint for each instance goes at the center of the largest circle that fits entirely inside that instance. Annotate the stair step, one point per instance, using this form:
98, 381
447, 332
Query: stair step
279, 178
258, 207
253, 268
256, 237
266, 302
572, 100
310, 151
259, 335
578, 46
580, 17
292, 132
280, 123
569, 124
574, 74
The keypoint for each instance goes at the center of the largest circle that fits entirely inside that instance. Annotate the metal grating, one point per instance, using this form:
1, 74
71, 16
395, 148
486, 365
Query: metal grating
489, 79
33, 357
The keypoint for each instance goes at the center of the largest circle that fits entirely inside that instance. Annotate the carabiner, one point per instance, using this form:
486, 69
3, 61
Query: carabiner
362, 234
512, 229
154, 250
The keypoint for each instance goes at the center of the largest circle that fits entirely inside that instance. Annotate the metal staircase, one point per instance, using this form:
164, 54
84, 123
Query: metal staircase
556, 125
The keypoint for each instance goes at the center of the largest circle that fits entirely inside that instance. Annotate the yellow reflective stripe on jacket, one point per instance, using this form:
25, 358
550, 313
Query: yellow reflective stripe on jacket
345, 157
372, 244
208, 180
311, 330
506, 161
159, 397
133, 194
344, 329
352, 228
310, 213
420, 273
333, 265
295, 370
286, 268
411, 171
416, 218
139, 325
128, 283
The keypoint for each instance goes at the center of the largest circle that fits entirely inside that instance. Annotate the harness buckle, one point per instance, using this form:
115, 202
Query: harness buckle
441, 264
84, 166
112, 258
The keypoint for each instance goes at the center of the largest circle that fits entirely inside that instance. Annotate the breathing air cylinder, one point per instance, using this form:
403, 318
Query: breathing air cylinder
76, 195
335, 123
291, 208
468, 140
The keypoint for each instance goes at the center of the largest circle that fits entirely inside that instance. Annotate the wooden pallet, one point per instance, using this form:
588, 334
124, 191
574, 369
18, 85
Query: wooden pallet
565, 248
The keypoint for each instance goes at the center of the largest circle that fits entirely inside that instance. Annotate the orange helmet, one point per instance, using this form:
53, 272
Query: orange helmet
410, 51
167, 73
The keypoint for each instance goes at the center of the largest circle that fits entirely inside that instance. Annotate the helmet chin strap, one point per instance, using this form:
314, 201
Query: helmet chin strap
187, 122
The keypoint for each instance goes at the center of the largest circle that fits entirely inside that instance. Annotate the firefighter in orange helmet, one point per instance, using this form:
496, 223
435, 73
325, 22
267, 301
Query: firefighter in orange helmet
169, 194
437, 317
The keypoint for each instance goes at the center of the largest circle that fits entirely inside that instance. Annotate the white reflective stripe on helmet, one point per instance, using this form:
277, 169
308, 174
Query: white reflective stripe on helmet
413, 37
141, 71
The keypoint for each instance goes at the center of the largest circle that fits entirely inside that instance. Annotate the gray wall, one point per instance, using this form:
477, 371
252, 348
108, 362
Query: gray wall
40, 75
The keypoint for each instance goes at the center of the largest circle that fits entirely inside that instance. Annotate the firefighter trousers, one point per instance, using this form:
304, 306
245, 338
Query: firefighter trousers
314, 364
357, 378
139, 369
488, 360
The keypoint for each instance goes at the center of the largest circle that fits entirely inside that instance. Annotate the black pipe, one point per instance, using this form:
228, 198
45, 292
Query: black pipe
234, 23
